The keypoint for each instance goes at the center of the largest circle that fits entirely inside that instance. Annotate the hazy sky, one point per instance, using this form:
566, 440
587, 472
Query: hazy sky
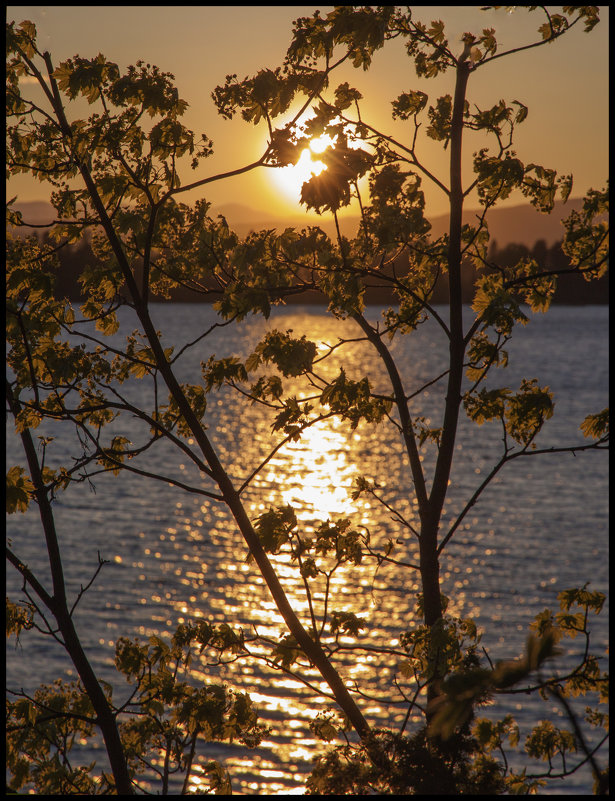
564, 84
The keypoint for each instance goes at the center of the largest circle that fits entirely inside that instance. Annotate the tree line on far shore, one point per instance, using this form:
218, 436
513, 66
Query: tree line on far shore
571, 289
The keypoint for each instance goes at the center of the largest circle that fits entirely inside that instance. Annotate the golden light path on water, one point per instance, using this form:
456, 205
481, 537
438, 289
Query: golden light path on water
205, 574
320, 475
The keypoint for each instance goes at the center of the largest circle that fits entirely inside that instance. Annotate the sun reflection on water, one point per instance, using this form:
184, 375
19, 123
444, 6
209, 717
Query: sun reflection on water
317, 471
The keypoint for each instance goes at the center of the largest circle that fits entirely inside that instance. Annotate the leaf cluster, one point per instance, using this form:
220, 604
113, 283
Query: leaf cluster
41, 733
19, 617
522, 414
463, 690
395, 764
438, 650
160, 722
331, 188
360, 31
354, 401
586, 242
291, 356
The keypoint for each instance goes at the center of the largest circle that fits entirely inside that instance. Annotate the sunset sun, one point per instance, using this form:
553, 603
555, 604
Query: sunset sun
290, 179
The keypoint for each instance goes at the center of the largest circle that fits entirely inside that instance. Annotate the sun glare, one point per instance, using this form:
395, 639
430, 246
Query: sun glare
290, 179
320, 143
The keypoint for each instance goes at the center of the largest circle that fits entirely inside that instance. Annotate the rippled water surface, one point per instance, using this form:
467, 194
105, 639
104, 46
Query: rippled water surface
176, 556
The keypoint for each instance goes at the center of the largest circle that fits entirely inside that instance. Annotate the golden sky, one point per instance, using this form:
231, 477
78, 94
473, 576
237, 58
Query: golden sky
564, 84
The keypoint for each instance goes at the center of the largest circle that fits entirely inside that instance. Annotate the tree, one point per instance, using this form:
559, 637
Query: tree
117, 174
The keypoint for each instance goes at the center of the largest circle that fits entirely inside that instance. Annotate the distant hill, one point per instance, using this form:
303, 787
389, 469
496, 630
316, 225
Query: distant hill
37, 212
519, 224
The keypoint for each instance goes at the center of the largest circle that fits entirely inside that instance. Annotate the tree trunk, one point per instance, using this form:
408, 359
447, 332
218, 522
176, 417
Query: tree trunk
430, 520
58, 606
104, 715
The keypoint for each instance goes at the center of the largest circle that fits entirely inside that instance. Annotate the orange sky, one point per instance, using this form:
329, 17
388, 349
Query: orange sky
565, 84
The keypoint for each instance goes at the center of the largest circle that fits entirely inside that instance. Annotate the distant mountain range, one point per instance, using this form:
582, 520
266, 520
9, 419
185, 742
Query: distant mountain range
520, 224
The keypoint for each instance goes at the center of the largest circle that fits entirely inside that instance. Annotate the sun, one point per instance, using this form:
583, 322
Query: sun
290, 179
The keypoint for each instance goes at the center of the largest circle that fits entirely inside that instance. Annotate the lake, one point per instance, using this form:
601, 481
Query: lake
540, 527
